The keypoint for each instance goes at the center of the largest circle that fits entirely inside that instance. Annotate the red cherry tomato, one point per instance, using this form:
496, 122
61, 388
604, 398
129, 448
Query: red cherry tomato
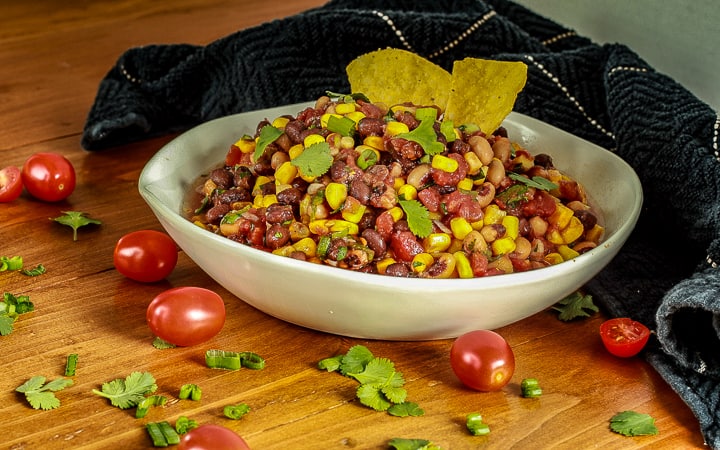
10, 184
146, 255
212, 437
186, 316
482, 360
624, 337
48, 176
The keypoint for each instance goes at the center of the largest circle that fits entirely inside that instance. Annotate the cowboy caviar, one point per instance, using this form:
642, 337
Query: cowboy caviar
395, 191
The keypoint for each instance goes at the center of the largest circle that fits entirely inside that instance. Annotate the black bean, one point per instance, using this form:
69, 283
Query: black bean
587, 219
375, 242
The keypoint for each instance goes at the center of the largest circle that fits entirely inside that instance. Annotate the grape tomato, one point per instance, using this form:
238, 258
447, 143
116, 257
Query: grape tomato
186, 316
48, 176
623, 336
11, 185
212, 437
482, 360
145, 255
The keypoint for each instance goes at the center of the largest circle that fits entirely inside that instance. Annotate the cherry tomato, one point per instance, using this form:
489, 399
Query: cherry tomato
10, 184
48, 176
624, 337
186, 316
482, 360
212, 437
145, 255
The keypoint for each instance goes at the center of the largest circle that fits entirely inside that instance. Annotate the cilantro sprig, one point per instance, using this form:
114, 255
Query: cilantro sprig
268, 135
536, 181
315, 160
128, 392
418, 217
424, 134
75, 220
40, 394
574, 306
381, 386
631, 423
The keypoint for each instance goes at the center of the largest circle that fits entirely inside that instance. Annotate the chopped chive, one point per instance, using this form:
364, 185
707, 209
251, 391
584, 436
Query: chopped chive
71, 364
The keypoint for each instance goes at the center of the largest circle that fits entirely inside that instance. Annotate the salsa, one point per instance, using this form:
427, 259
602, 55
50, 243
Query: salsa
396, 191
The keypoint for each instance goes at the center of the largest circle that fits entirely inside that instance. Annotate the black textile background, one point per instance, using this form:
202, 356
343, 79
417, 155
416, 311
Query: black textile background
667, 275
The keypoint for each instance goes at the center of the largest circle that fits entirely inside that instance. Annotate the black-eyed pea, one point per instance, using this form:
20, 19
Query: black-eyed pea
481, 147
496, 172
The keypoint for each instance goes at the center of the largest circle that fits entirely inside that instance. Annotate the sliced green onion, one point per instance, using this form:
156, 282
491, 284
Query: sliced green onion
190, 391
448, 130
236, 411
71, 364
366, 159
530, 388
343, 125
221, 359
476, 426
252, 361
162, 434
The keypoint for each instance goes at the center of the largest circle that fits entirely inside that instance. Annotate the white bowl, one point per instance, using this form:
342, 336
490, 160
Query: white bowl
377, 306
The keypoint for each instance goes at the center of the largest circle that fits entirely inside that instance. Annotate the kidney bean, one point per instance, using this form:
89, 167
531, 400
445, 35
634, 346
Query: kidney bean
289, 196
368, 126
375, 242
360, 191
215, 214
276, 236
234, 195
222, 178
294, 129
587, 219
398, 270
277, 213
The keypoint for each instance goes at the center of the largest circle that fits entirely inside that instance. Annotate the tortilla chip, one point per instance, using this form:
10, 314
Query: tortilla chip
393, 76
483, 91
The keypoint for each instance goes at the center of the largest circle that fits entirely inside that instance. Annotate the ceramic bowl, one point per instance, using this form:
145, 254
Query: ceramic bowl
373, 306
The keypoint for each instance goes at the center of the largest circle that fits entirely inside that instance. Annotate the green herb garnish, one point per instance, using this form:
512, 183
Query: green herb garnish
10, 263
162, 434
418, 217
268, 135
190, 391
162, 344
148, 402
631, 423
412, 444
223, 359
315, 160
536, 181
405, 409
530, 388
424, 134
128, 392
71, 364
184, 424
345, 126
38, 270
75, 220
235, 412
11, 307
475, 425
575, 305
40, 395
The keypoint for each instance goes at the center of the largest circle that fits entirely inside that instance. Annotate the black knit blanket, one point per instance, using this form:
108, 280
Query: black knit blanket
666, 276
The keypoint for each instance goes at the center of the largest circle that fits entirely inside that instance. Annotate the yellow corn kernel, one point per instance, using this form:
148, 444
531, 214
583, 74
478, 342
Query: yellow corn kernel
280, 122
554, 236
493, 214
342, 225
284, 251
398, 182
334, 140
319, 227
465, 184
383, 264
462, 265
326, 117
572, 231
595, 233
421, 262
502, 263
268, 200
394, 128
436, 242
554, 258
512, 226
353, 211
258, 201
347, 142
200, 224
473, 162
355, 116
295, 151
446, 262
460, 227
478, 224
306, 245
503, 246
335, 194
298, 231
375, 142
259, 182
344, 108
407, 191
566, 252
312, 139
285, 174
396, 212
362, 147
245, 144
444, 163
561, 216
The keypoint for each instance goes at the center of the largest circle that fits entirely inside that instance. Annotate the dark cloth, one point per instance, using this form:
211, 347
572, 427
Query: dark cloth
666, 276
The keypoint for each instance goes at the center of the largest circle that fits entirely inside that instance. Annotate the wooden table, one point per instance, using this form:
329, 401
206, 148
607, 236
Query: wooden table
52, 58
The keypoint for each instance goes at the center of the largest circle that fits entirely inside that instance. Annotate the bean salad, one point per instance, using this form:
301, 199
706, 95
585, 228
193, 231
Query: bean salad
395, 191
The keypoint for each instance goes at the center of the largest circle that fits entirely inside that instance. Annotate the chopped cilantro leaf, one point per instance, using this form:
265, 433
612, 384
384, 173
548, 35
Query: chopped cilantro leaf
40, 395
631, 423
315, 160
412, 444
406, 409
418, 217
128, 392
6, 324
536, 181
575, 305
268, 135
424, 134
162, 344
75, 220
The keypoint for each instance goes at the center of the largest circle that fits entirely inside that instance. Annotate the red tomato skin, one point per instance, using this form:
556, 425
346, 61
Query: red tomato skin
624, 337
186, 316
49, 177
212, 437
145, 255
482, 360
11, 185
